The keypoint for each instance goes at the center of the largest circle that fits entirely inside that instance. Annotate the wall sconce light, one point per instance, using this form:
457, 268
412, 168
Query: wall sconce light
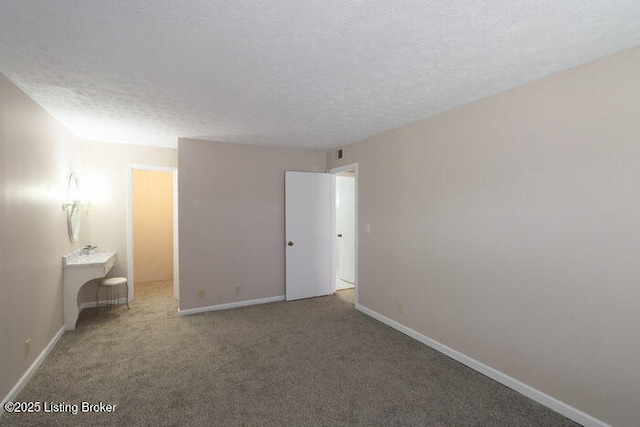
72, 207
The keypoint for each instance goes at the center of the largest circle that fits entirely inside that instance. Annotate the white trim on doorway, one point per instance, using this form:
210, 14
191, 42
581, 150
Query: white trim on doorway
129, 204
334, 240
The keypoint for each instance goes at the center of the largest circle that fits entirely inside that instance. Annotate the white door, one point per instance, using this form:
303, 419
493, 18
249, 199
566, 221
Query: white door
308, 234
346, 227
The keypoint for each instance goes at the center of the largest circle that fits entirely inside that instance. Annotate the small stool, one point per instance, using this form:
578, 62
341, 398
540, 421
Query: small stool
110, 284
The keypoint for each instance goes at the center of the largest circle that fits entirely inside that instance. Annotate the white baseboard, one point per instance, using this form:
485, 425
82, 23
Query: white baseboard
504, 379
230, 305
29, 373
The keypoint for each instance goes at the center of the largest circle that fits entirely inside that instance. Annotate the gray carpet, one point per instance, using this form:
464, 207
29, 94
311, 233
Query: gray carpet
310, 362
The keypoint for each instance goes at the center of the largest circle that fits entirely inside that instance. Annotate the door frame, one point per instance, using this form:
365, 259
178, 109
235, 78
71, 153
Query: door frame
129, 208
334, 239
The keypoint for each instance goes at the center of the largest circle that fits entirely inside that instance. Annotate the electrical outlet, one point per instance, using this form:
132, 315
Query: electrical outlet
237, 289
201, 293
27, 347
399, 308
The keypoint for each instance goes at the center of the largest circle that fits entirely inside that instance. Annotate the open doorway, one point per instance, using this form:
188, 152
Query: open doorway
345, 230
152, 241
345, 236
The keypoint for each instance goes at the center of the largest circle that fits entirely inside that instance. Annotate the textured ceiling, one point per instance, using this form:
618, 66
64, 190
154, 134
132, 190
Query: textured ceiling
305, 73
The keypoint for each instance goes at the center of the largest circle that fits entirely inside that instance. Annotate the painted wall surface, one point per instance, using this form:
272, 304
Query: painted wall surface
37, 154
152, 225
231, 209
104, 171
509, 230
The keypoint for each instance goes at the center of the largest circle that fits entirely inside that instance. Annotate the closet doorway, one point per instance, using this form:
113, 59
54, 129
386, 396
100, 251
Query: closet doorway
152, 231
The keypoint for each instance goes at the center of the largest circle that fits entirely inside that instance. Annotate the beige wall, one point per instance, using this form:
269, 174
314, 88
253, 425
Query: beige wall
104, 168
152, 225
509, 230
37, 154
231, 210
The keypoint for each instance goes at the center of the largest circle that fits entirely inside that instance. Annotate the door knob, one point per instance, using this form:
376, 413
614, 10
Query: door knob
290, 243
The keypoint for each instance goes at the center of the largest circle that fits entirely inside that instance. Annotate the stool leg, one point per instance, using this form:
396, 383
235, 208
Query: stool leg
127, 290
97, 301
